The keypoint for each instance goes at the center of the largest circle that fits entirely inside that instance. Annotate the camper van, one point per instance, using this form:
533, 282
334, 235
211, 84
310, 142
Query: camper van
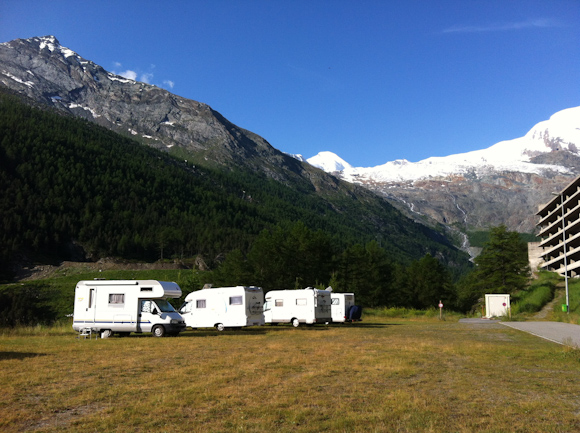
308, 306
343, 308
224, 307
125, 306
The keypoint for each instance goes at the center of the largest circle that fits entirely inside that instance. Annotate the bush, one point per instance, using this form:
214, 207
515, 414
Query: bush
26, 305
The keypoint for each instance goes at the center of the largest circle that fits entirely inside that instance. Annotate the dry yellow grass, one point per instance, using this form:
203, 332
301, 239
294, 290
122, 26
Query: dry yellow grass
376, 376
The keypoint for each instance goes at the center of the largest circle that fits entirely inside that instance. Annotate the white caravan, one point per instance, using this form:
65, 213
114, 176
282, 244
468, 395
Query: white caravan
224, 307
297, 306
124, 306
340, 306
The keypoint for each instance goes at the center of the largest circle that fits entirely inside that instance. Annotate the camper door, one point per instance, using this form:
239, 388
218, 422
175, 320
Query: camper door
86, 305
147, 315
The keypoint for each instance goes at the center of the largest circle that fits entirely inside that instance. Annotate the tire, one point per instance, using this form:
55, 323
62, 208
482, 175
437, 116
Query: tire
106, 333
220, 327
158, 331
295, 323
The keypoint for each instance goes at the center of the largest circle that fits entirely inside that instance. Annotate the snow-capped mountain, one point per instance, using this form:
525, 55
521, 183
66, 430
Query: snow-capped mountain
329, 162
560, 132
502, 184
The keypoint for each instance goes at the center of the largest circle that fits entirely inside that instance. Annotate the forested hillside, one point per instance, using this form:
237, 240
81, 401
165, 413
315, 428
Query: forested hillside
68, 182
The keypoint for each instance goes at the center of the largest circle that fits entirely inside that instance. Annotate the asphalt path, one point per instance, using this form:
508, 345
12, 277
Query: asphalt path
558, 332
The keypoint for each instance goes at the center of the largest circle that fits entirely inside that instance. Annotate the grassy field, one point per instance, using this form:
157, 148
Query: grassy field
381, 375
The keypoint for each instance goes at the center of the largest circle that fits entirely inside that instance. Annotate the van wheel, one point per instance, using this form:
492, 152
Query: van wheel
158, 331
220, 327
295, 323
106, 333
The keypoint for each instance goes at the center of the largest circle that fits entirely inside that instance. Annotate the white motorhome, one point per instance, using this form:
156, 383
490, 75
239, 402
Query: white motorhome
308, 306
340, 306
125, 306
224, 307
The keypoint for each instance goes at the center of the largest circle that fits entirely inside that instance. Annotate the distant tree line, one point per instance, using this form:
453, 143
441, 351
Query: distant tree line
294, 257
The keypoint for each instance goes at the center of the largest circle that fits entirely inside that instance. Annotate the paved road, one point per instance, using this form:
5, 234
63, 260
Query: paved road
562, 333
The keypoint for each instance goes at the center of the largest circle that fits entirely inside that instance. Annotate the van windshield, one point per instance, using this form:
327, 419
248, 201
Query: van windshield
164, 306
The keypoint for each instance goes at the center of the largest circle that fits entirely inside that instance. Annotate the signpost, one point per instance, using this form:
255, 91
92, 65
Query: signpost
440, 310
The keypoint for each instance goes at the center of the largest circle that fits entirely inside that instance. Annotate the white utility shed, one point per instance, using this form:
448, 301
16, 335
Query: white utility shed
497, 305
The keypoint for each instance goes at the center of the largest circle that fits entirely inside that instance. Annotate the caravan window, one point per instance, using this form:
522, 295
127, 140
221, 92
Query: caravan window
116, 299
279, 303
335, 301
235, 300
301, 301
200, 303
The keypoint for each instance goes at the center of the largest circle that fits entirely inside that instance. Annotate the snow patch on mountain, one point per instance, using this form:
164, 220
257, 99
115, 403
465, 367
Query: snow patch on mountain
560, 132
329, 162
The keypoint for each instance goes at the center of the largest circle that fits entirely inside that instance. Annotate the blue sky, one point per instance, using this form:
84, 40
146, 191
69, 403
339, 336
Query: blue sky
372, 81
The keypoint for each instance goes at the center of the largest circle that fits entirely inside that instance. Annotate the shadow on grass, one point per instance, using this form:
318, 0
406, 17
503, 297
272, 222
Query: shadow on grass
261, 330
370, 325
19, 355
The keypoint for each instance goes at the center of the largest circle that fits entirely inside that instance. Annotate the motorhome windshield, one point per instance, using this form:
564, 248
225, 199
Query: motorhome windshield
164, 306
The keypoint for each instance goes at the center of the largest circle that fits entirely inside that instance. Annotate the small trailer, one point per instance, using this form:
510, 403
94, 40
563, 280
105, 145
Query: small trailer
308, 306
343, 308
125, 306
224, 307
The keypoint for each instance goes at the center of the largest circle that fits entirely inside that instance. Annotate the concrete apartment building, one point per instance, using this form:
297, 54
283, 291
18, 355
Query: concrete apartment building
559, 227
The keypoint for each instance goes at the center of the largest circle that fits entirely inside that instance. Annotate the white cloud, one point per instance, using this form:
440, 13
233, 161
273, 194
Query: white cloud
502, 27
131, 75
146, 77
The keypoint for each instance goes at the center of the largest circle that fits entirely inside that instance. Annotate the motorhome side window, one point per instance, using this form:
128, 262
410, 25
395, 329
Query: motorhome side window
116, 298
235, 300
200, 303
301, 301
335, 301
279, 302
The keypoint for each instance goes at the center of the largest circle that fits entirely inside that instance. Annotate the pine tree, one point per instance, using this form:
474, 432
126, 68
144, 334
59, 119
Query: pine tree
502, 267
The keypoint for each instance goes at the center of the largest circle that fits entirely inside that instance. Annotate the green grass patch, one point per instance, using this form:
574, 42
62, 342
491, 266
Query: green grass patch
412, 314
537, 295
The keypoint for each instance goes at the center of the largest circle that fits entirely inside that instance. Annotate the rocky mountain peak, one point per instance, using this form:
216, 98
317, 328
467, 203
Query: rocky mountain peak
48, 72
